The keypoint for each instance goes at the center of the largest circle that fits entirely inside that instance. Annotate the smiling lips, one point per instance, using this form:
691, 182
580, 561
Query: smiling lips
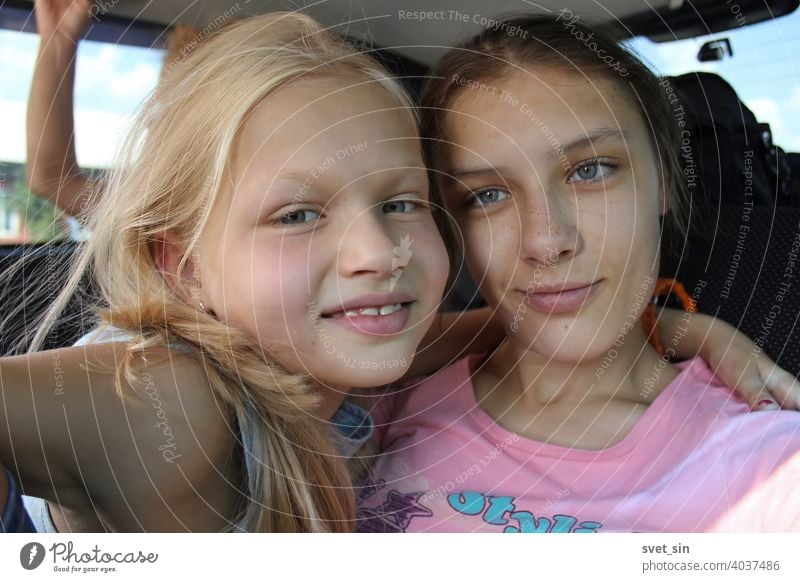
562, 299
373, 314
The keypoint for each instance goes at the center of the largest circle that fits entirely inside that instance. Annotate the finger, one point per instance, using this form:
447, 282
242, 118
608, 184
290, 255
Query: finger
758, 395
744, 378
783, 386
762, 398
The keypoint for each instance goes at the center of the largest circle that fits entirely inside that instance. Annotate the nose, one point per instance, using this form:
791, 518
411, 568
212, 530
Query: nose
549, 229
367, 247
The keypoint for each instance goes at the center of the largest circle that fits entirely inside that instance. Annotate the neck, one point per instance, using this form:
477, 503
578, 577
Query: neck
330, 399
632, 372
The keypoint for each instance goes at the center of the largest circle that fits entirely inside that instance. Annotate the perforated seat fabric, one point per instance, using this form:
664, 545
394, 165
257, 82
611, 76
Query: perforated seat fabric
746, 270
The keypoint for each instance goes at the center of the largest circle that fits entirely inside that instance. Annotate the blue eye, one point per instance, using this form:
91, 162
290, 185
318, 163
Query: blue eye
487, 197
591, 171
401, 206
298, 217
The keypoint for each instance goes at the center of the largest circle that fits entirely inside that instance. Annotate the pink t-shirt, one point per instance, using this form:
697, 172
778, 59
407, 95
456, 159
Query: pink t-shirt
696, 460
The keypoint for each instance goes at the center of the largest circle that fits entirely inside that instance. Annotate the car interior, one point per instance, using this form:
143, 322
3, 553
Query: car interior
740, 259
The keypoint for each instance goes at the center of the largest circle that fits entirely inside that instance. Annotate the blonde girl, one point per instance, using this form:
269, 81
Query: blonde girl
253, 296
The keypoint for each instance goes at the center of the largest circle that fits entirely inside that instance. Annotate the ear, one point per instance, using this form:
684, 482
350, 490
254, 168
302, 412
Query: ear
168, 250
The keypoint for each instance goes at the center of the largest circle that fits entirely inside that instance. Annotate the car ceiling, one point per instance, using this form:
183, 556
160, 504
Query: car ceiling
381, 22
378, 21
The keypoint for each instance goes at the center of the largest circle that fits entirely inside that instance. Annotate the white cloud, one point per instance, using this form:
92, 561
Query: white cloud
18, 52
97, 135
674, 58
17, 58
12, 120
115, 77
111, 83
136, 84
792, 104
782, 117
790, 110
767, 110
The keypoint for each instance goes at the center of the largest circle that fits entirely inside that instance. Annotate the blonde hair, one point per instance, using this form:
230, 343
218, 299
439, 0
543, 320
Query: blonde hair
170, 175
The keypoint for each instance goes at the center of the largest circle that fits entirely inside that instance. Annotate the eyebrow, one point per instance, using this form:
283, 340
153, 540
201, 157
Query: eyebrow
290, 176
589, 139
300, 175
594, 136
414, 174
470, 172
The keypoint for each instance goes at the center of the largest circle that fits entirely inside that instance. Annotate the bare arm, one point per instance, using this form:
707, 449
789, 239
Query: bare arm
732, 355
52, 169
154, 461
736, 359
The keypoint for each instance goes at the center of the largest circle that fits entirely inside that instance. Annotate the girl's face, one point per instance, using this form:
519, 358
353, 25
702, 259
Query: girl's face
553, 181
325, 249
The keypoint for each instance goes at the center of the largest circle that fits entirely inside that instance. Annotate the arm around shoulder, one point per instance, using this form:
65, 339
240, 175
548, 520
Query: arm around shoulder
155, 458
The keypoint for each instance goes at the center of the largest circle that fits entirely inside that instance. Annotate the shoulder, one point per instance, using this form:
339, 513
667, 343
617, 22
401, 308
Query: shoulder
184, 434
153, 452
698, 387
158, 378
756, 438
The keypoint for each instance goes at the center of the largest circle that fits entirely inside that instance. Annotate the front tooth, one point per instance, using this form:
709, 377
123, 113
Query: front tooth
387, 309
370, 311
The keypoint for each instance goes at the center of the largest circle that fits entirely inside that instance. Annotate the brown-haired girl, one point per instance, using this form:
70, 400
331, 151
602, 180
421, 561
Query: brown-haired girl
558, 171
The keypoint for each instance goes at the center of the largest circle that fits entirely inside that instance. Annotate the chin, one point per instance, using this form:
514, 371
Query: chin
363, 368
367, 374
574, 345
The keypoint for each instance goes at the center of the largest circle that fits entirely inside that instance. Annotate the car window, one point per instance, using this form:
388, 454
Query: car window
763, 69
111, 82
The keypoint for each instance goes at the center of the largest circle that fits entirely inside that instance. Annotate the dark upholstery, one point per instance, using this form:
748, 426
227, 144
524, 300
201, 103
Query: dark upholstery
30, 279
746, 270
